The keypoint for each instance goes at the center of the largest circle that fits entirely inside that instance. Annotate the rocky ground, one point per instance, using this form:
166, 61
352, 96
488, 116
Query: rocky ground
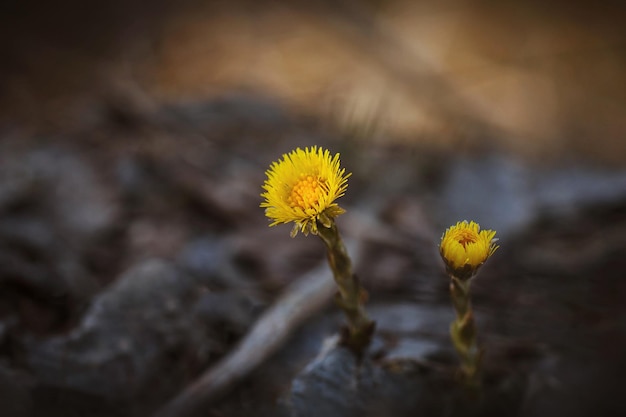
134, 257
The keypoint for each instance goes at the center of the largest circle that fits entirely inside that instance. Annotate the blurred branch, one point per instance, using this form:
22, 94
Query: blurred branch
302, 299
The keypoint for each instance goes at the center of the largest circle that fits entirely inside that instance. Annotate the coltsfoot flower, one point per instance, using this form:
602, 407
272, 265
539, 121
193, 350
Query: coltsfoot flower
464, 248
302, 188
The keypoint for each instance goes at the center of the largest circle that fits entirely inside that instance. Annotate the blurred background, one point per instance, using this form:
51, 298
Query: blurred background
134, 137
538, 78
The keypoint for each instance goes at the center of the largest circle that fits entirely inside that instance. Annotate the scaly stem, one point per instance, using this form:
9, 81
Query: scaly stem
463, 331
351, 296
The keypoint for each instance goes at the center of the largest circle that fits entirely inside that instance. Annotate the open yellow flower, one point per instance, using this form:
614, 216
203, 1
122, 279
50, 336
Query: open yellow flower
302, 187
464, 248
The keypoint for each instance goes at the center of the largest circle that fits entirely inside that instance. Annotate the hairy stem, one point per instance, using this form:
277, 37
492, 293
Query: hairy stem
351, 296
463, 331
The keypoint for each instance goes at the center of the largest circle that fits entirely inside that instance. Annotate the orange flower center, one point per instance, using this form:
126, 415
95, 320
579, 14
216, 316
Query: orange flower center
465, 237
306, 193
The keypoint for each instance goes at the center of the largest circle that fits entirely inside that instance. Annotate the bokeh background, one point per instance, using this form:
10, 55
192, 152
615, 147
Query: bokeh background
538, 78
134, 137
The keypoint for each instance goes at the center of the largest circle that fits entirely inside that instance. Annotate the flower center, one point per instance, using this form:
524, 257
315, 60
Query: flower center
306, 193
465, 237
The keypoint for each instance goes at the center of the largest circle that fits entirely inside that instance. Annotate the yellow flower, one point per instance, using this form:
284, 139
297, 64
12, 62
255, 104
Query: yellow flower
302, 187
464, 248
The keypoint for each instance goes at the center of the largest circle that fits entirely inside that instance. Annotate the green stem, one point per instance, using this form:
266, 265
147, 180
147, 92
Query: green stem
463, 331
351, 296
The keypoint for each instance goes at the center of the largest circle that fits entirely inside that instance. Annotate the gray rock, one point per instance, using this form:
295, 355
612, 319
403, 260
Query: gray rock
78, 200
336, 384
501, 193
128, 341
203, 258
494, 191
333, 385
565, 190
55, 208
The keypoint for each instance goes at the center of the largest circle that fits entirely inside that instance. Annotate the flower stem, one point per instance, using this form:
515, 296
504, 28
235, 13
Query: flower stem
351, 296
463, 331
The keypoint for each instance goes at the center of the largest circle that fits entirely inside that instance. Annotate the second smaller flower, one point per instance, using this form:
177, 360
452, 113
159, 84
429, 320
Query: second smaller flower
465, 248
